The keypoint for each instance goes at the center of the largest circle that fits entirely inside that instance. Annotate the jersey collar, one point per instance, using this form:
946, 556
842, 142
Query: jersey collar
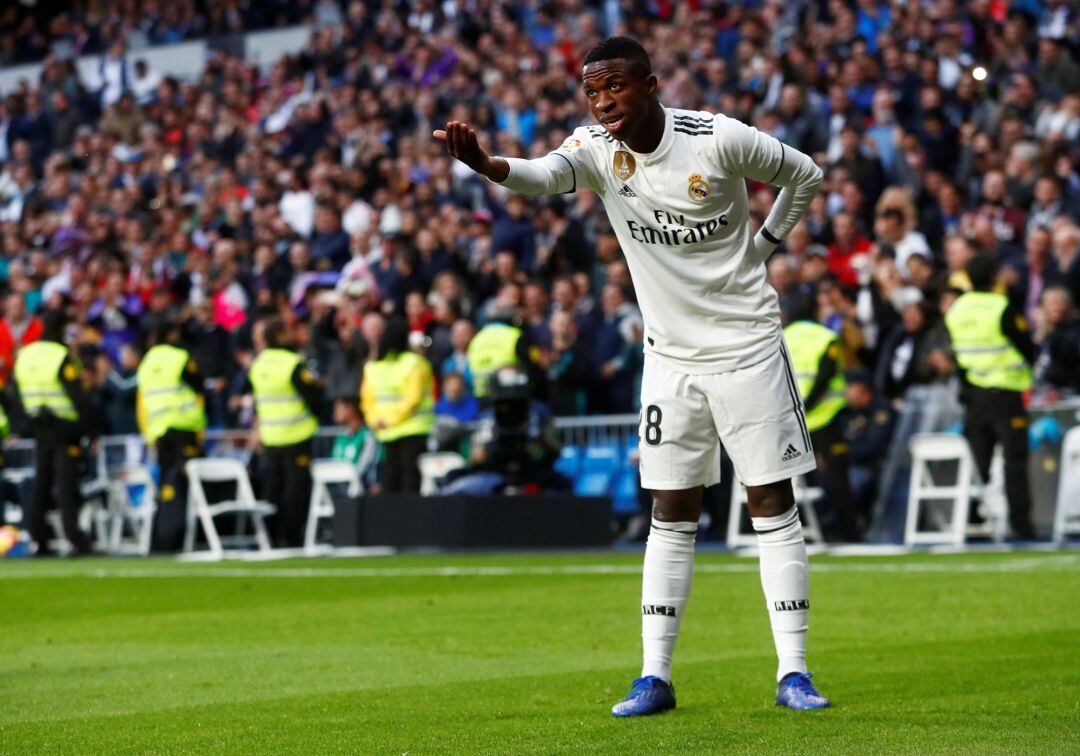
662, 149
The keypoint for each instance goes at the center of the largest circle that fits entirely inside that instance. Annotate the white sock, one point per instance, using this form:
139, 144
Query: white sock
665, 587
785, 578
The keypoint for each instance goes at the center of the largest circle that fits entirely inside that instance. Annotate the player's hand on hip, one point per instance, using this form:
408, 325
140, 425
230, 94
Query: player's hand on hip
463, 144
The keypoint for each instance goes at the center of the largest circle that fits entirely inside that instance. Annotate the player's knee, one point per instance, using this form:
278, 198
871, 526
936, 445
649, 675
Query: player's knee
676, 506
771, 499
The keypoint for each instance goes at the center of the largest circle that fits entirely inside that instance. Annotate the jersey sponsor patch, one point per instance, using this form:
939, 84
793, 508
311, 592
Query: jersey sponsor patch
624, 165
626, 192
570, 144
699, 188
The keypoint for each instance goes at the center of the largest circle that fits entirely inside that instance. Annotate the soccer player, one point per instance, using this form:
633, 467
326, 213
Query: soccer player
716, 366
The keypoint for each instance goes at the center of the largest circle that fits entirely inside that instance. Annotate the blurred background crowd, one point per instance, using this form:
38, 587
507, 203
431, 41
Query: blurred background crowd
311, 189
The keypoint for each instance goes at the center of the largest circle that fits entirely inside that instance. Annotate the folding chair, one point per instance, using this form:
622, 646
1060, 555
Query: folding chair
245, 505
434, 466
325, 473
133, 500
805, 496
930, 453
1067, 514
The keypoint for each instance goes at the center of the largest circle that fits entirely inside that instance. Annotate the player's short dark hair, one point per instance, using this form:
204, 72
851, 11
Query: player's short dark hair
982, 270
619, 48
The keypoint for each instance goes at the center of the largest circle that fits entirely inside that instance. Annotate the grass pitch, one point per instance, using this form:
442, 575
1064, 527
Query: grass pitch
511, 653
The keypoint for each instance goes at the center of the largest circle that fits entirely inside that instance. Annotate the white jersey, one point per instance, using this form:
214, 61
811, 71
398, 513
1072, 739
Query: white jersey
681, 216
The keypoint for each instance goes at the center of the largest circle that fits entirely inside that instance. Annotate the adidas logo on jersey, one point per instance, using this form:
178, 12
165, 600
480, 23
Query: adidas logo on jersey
790, 453
626, 191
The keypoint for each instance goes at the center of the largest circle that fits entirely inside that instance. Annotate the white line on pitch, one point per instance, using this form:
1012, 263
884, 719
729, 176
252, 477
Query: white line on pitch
1064, 562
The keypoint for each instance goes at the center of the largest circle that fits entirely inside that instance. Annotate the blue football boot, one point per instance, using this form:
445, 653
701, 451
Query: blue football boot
797, 692
648, 695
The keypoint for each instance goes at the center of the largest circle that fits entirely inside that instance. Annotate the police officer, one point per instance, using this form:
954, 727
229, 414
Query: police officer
866, 426
48, 386
287, 401
994, 353
397, 395
817, 357
172, 418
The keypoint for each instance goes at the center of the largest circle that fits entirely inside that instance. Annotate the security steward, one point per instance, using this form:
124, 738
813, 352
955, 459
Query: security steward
817, 357
287, 401
994, 353
48, 385
172, 418
867, 425
501, 343
397, 396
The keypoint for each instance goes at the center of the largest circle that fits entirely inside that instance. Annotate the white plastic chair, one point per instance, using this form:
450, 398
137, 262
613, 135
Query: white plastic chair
805, 496
202, 512
1067, 513
952, 526
325, 473
138, 518
435, 466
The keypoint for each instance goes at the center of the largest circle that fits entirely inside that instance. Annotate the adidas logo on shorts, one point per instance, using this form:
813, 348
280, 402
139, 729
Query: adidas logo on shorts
790, 453
626, 191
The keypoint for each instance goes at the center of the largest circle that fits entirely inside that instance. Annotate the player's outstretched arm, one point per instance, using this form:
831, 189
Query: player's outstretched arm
551, 174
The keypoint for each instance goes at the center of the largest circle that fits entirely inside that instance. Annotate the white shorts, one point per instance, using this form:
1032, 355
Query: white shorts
756, 412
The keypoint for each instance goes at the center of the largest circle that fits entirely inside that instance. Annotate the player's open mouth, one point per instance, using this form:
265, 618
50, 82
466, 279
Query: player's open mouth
613, 123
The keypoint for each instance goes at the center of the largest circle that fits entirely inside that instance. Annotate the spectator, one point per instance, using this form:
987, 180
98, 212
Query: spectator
1058, 336
357, 444
616, 348
456, 401
905, 354
17, 329
118, 395
848, 243
567, 367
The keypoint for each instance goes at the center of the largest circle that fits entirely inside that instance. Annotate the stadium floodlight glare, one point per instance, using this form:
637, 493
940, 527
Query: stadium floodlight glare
978, 73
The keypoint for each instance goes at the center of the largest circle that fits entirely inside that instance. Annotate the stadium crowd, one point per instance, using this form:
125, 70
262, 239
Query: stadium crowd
313, 190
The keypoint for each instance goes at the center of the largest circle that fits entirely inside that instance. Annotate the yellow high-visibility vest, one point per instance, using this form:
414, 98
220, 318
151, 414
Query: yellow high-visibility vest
807, 343
492, 349
284, 418
37, 371
982, 349
168, 402
387, 379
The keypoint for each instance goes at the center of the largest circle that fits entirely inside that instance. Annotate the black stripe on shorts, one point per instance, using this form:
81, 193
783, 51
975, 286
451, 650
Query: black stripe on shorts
793, 389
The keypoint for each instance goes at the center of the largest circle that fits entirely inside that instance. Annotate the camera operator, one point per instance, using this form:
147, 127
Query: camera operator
516, 438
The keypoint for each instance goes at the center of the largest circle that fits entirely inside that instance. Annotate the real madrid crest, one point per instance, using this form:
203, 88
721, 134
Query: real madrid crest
699, 188
624, 165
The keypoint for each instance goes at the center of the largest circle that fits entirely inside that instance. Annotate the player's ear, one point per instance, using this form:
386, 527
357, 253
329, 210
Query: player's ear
651, 83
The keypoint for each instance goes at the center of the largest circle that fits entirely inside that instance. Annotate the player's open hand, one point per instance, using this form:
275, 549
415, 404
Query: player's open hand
462, 143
